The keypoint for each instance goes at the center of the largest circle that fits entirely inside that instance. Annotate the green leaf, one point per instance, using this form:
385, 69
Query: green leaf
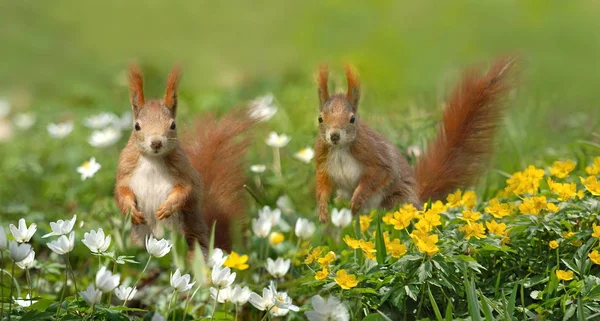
449, 311
570, 312
510, 309
436, 310
424, 271
412, 291
472, 302
374, 317
485, 307
380, 242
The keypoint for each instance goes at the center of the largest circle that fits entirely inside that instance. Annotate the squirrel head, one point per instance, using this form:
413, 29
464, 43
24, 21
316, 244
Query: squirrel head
154, 130
338, 119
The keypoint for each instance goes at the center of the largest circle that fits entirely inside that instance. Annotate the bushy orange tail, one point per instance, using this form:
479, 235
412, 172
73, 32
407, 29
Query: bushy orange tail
217, 150
464, 141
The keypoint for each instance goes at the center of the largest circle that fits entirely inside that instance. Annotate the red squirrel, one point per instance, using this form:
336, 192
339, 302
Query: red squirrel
185, 184
365, 167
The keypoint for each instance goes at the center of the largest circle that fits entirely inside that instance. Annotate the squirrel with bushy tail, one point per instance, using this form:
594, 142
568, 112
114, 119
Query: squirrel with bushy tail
183, 183
369, 170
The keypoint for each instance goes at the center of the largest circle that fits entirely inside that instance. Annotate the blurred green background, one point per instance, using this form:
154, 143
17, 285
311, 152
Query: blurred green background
65, 60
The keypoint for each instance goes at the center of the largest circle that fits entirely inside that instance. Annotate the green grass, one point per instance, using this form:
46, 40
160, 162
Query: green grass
66, 61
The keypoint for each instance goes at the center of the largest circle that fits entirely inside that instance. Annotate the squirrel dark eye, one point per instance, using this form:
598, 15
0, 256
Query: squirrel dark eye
320, 119
352, 119
137, 126
173, 125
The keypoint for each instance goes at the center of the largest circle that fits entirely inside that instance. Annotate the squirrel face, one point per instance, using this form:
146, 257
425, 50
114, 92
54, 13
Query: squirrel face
154, 127
155, 130
337, 121
337, 114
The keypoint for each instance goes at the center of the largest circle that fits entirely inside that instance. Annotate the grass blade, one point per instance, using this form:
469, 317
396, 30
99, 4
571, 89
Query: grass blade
380, 242
436, 310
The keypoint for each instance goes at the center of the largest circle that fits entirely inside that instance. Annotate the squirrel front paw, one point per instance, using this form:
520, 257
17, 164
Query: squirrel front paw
137, 217
323, 213
164, 211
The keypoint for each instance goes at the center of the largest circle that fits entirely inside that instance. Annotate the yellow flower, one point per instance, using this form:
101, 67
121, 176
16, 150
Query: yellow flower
276, 238
596, 230
327, 259
495, 228
564, 191
454, 199
365, 221
497, 209
469, 216
321, 275
439, 206
235, 261
533, 205
476, 230
592, 185
567, 235
595, 168
527, 181
368, 249
396, 248
402, 219
430, 219
595, 257
387, 218
553, 244
425, 243
344, 280
564, 275
315, 254
353, 243
552, 207
469, 199
562, 169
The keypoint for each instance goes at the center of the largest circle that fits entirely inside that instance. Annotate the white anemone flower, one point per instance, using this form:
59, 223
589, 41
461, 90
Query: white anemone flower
262, 108
23, 233
258, 168
325, 310
61, 227
28, 262
60, 130
91, 295
278, 141
240, 295
305, 228
217, 258
96, 241
157, 248
3, 238
281, 299
264, 302
101, 120
272, 215
279, 267
341, 218
89, 168
104, 137
106, 281
25, 302
24, 121
63, 245
222, 278
305, 155
181, 283
125, 293
19, 252
261, 227
224, 295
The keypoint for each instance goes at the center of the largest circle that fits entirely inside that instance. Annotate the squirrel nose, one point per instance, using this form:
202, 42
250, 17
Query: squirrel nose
335, 137
156, 144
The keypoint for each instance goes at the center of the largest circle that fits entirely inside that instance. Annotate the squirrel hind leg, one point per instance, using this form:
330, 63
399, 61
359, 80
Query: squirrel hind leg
195, 231
394, 200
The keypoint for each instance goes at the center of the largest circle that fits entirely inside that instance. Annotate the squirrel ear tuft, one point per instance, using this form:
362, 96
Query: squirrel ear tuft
322, 76
136, 89
171, 92
353, 94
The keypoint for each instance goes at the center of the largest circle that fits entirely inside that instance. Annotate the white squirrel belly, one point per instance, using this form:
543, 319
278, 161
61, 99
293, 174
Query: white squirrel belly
344, 170
151, 183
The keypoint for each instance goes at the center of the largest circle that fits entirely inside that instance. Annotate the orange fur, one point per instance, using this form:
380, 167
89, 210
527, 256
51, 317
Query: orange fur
322, 77
136, 88
171, 92
217, 150
464, 141
353, 93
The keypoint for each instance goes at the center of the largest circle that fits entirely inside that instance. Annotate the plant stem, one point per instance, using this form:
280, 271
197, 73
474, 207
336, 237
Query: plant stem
62, 296
215, 306
266, 314
236, 312
170, 302
277, 162
1, 283
138, 279
187, 301
30, 286
10, 296
73, 275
